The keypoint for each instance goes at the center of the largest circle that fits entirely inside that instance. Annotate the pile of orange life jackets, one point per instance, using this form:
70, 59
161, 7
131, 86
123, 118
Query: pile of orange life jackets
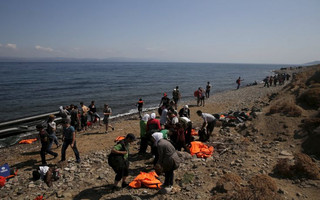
201, 150
147, 179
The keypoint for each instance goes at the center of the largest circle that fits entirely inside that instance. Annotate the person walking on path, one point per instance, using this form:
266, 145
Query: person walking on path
208, 88
176, 96
139, 104
107, 111
51, 129
44, 139
208, 124
93, 113
118, 160
168, 161
238, 81
69, 138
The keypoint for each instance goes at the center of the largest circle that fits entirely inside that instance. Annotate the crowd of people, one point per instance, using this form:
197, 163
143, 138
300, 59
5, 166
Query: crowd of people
165, 135
276, 79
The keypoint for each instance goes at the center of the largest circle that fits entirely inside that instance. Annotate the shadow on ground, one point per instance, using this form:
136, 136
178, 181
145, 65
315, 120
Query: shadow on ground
99, 192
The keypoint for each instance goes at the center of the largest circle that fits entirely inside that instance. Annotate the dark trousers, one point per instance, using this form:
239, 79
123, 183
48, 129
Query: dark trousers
45, 149
207, 93
65, 145
168, 178
143, 145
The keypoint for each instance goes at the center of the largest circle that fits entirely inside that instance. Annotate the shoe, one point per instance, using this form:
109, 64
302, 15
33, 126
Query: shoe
106, 132
115, 188
78, 161
124, 184
55, 156
113, 128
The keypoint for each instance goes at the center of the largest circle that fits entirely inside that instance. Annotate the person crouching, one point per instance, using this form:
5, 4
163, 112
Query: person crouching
118, 160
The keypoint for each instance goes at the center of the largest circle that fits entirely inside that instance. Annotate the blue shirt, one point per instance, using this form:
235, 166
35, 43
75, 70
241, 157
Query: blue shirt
68, 132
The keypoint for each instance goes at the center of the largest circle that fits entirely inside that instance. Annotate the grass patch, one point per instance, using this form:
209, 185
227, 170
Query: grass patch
187, 178
288, 108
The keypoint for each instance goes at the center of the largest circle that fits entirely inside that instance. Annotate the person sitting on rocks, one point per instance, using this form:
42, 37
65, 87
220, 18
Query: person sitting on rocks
118, 160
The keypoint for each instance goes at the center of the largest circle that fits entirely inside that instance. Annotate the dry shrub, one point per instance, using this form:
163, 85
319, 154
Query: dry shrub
315, 78
311, 97
234, 179
288, 108
311, 144
283, 168
260, 187
310, 124
304, 166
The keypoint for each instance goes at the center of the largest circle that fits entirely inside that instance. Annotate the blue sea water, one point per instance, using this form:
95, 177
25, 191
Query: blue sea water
28, 88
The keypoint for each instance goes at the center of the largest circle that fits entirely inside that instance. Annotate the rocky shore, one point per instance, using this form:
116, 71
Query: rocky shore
244, 155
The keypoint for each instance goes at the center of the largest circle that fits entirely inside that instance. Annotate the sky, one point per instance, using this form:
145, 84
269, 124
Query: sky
218, 31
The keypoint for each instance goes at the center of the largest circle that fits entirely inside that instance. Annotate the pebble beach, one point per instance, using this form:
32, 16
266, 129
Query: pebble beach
92, 179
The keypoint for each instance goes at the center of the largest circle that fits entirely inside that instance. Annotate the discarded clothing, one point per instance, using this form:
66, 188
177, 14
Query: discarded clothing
201, 150
28, 141
149, 180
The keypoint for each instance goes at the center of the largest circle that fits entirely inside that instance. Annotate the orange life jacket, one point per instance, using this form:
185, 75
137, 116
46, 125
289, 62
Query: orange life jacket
119, 138
148, 180
28, 141
201, 150
194, 132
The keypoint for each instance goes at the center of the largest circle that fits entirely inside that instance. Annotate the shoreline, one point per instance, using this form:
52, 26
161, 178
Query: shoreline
247, 155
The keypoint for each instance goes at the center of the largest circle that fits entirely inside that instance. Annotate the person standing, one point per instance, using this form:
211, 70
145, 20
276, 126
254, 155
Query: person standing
51, 129
107, 111
84, 116
176, 96
139, 104
208, 88
118, 160
202, 97
164, 103
143, 132
168, 160
75, 120
208, 123
69, 138
93, 113
44, 139
238, 81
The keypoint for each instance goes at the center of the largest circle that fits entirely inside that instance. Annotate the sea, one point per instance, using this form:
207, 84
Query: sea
33, 88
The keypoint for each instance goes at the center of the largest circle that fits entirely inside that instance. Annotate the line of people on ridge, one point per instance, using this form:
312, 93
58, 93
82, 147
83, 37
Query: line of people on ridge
279, 78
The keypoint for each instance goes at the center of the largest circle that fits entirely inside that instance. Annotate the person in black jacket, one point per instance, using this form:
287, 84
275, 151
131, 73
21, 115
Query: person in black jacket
45, 141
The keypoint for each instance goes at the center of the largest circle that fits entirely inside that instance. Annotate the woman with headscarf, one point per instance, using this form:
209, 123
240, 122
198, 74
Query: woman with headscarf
153, 124
168, 160
143, 135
